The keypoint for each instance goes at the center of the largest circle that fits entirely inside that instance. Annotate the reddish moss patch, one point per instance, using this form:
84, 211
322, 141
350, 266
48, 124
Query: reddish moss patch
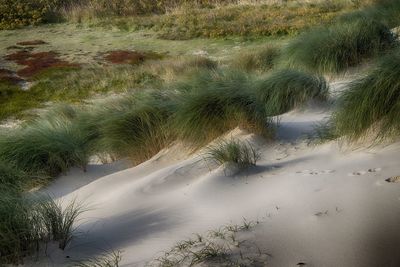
129, 57
9, 76
34, 42
37, 62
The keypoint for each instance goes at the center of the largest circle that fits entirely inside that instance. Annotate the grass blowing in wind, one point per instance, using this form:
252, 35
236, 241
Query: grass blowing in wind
334, 48
44, 146
214, 102
286, 89
372, 103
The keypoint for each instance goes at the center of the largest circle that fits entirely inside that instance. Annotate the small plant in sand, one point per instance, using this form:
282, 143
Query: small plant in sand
58, 221
27, 221
222, 247
236, 152
371, 105
107, 259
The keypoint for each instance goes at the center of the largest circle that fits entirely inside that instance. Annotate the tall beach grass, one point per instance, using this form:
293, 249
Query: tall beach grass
334, 48
286, 89
213, 102
371, 105
47, 146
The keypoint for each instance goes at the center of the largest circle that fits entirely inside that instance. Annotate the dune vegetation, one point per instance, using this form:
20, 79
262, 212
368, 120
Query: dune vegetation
371, 105
131, 105
286, 89
240, 154
334, 48
27, 222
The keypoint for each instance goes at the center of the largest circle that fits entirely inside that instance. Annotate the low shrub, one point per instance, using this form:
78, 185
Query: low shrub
213, 102
372, 103
287, 89
262, 59
17, 13
239, 20
236, 152
334, 48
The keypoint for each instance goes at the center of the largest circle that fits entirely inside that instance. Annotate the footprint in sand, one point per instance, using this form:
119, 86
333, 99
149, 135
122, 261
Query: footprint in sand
362, 172
315, 172
393, 179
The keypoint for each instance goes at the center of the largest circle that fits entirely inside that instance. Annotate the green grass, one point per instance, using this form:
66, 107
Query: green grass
334, 48
45, 146
72, 85
241, 154
108, 259
371, 105
17, 230
221, 247
262, 59
25, 223
213, 102
245, 20
284, 90
135, 127
58, 221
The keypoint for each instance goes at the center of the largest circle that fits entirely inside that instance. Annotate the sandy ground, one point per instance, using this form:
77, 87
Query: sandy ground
322, 205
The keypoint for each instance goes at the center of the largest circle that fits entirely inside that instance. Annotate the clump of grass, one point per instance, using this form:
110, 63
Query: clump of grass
238, 153
372, 103
262, 59
213, 102
58, 221
334, 48
71, 85
135, 127
26, 221
47, 146
109, 259
170, 69
221, 247
18, 236
286, 89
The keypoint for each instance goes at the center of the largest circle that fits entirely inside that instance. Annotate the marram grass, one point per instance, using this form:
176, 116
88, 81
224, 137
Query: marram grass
286, 89
371, 105
48, 146
334, 48
214, 102
239, 153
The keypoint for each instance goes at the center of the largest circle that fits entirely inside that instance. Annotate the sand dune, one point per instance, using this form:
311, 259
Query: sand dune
322, 205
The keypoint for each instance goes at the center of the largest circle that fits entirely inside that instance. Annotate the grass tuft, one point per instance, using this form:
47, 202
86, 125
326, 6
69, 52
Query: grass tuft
46, 146
241, 154
334, 48
287, 89
135, 127
214, 102
261, 60
372, 103
110, 259
58, 221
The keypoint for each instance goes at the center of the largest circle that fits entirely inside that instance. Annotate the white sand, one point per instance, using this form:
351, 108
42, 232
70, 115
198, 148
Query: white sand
324, 205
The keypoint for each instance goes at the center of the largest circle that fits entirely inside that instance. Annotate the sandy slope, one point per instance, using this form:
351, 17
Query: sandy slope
324, 205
